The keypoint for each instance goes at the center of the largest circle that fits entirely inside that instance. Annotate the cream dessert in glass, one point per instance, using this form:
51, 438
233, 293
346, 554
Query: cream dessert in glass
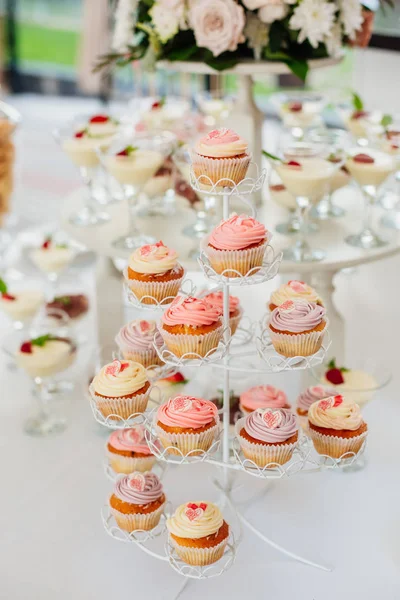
299, 110
20, 305
390, 143
281, 196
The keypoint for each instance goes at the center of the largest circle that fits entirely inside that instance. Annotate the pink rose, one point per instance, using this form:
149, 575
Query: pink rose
217, 24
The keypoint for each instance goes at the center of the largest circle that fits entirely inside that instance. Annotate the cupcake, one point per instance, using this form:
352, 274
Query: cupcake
237, 246
198, 533
268, 436
154, 274
293, 290
297, 328
136, 341
336, 427
191, 327
221, 157
121, 388
310, 395
235, 310
263, 396
128, 451
188, 424
137, 501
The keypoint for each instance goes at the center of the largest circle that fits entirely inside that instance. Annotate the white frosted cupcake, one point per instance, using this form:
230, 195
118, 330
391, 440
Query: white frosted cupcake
294, 290
136, 342
127, 451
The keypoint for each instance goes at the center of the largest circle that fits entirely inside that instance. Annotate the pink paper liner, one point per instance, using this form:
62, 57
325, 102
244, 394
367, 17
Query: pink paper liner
192, 345
263, 455
199, 557
230, 261
219, 170
300, 344
146, 358
234, 321
129, 464
159, 290
187, 442
122, 407
333, 446
133, 522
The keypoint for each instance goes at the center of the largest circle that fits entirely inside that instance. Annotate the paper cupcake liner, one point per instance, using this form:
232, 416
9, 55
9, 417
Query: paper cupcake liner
132, 522
199, 557
230, 261
300, 344
187, 442
336, 447
146, 358
192, 345
129, 464
220, 170
263, 455
234, 321
122, 407
157, 290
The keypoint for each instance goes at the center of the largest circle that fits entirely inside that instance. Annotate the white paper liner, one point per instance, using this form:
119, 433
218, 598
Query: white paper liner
129, 464
192, 346
261, 454
147, 358
199, 557
299, 344
235, 260
336, 447
122, 407
220, 170
159, 290
187, 442
234, 321
133, 522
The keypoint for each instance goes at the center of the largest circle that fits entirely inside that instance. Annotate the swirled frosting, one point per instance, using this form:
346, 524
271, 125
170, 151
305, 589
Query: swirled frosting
217, 299
237, 232
191, 311
153, 259
130, 440
271, 425
195, 520
221, 143
335, 413
138, 335
139, 488
187, 411
120, 378
294, 290
297, 316
313, 394
263, 396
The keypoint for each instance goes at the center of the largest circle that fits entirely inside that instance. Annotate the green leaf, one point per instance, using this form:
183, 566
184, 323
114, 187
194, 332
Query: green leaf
271, 156
65, 300
3, 287
41, 340
332, 364
357, 102
131, 149
182, 53
61, 245
220, 64
298, 67
386, 120
344, 370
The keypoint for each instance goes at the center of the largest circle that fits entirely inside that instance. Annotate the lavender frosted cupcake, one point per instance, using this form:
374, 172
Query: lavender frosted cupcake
262, 396
297, 328
268, 436
136, 342
310, 395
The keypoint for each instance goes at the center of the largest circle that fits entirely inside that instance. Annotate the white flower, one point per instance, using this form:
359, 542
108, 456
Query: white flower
333, 41
125, 21
351, 16
314, 19
217, 24
256, 34
274, 10
165, 21
178, 7
254, 4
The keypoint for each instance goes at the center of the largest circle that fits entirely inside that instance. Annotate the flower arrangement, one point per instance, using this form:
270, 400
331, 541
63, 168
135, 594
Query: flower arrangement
221, 33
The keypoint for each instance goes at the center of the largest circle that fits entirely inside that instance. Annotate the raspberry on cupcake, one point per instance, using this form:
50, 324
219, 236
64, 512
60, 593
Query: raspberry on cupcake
137, 501
297, 328
198, 533
128, 451
187, 423
191, 327
263, 396
237, 246
293, 290
154, 274
235, 310
136, 342
336, 427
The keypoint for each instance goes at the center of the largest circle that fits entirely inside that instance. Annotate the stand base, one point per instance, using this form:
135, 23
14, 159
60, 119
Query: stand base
391, 220
366, 240
331, 212
89, 218
42, 425
301, 255
131, 242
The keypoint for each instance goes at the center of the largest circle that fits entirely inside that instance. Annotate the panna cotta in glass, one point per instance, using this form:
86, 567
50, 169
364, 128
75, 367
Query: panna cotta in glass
134, 166
370, 167
46, 355
21, 305
82, 145
52, 257
306, 177
279, 194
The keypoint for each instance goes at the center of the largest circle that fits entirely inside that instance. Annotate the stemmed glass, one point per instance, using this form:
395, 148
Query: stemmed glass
216, 107
390, 142
281, 196
132, 161
52, 258
370, 169
81, 149
160, 189
299, 110
305, 172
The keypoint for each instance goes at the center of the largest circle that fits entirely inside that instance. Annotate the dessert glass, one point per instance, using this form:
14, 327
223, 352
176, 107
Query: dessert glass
390, 142
299, 110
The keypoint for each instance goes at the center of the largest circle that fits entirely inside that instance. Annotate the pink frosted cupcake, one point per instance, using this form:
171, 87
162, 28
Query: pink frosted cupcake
297, 328
268, 436
188, 424
190, 327
154, 274
235, 310
310, 395
262, 396
128, 451
237, 245
136, 341
221, 157
294, 290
